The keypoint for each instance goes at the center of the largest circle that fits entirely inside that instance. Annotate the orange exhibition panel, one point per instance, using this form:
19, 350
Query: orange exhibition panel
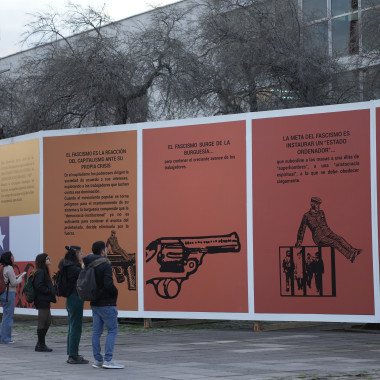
194, 201
312, 235
90, 194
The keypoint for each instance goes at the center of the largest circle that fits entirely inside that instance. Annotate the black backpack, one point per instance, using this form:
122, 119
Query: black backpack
87, 287
61, 284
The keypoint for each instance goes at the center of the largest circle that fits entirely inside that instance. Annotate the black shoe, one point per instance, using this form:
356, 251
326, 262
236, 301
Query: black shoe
42, 348
78, 359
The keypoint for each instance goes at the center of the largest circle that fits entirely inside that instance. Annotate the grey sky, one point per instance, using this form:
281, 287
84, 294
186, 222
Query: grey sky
14, 16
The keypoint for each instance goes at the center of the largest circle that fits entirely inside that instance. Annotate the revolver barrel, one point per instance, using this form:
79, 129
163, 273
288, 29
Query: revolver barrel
213, 244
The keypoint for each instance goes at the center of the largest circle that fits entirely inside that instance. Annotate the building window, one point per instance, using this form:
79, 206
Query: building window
339, 7
370, 3
371, 30
347, 85
314, 9
317, 37
371, 83
345, 39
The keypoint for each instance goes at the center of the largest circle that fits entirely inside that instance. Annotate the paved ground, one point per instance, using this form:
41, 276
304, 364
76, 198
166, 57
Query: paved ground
224, 350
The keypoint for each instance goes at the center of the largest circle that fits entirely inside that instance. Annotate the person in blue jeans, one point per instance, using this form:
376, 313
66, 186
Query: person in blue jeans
8, 297
104, 312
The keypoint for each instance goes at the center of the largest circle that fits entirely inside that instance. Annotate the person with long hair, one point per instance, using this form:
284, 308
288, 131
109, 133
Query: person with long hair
71, 266
7, 298
45, 294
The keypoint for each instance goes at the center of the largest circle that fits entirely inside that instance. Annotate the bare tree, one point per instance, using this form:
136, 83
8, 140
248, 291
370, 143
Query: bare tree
98, 76
169, 40
197, 58
8, 103
249, 55
84, 80
371, 50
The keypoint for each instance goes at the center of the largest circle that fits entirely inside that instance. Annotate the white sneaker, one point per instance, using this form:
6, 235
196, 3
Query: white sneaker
97, 364
111, 364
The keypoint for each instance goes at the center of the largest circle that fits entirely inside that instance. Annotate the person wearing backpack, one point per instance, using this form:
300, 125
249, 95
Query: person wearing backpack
70, 267
45, 294
8, 296
103, 308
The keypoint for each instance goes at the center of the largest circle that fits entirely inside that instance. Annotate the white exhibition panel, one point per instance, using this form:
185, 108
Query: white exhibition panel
24, 239
26, 235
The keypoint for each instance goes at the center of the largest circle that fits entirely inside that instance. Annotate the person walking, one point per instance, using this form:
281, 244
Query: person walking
45, 294
104, 310
71, 266
8, 297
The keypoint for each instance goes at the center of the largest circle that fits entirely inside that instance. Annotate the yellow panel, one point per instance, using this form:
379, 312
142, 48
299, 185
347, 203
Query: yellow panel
19, 178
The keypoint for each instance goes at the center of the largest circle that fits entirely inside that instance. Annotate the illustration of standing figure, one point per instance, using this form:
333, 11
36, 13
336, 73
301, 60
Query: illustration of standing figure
315, 219
318, 270
308, 269
288, 268
298, 270
123, 263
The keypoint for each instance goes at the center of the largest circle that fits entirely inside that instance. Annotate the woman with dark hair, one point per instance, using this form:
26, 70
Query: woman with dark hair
71, 266
45, 294
7, 298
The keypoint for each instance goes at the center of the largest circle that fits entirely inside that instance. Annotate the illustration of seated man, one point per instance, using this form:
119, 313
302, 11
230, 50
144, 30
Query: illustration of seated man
315, 219
288, 269
123, 263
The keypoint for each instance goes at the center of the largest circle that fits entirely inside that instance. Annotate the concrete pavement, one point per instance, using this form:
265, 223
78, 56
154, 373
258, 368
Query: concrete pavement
224, 350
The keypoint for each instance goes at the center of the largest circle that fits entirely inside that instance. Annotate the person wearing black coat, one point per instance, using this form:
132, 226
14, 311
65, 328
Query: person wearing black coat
45, 294
71, 266
107, 292
104, 312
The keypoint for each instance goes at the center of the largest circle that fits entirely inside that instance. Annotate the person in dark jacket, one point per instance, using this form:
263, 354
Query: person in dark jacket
45, 294
104, 310
71, 266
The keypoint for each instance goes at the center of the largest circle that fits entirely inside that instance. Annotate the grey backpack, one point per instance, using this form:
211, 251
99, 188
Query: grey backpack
87, 287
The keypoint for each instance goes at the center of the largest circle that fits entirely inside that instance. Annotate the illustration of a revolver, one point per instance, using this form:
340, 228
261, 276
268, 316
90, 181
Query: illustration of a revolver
124, 266
179, 257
